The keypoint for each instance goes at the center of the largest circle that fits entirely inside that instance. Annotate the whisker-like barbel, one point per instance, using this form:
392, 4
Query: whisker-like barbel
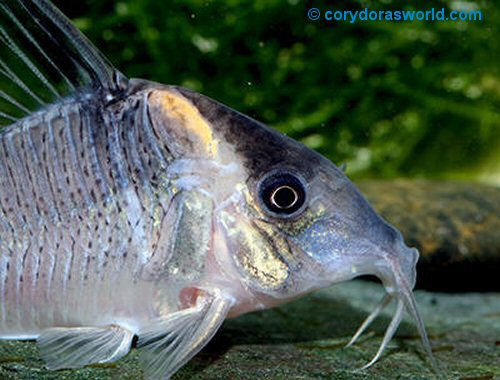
373, 315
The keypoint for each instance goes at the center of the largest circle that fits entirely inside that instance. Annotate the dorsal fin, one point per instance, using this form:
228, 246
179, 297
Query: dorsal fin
44, 58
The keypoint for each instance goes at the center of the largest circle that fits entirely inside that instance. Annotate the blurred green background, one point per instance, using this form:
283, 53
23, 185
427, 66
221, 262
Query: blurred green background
391, 99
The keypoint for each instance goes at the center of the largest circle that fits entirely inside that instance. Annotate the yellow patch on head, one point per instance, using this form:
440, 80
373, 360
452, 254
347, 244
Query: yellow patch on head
187, 117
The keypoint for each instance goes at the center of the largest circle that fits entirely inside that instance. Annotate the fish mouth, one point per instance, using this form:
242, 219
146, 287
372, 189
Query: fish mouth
383, 254
398, 286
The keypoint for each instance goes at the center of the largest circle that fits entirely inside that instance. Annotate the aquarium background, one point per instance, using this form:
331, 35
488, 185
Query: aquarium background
390, 99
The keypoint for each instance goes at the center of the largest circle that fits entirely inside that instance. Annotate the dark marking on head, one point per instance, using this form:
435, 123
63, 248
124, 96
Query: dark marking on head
261, 147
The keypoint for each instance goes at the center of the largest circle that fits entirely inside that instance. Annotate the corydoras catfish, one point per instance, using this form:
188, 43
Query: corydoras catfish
130, 208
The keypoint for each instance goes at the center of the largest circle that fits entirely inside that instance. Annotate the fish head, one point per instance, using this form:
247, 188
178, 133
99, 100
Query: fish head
292, 222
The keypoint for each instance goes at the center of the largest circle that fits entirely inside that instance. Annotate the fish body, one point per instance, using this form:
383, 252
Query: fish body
130, 208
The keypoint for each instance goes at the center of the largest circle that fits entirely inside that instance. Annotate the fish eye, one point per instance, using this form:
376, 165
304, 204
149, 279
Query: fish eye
282, 193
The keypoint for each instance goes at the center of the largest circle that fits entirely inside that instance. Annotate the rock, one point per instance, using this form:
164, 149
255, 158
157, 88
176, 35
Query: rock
455, 226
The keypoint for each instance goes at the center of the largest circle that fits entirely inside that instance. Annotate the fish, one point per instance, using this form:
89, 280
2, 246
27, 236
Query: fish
130, 208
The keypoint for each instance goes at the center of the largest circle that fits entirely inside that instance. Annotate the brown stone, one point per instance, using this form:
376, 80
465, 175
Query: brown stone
455, 225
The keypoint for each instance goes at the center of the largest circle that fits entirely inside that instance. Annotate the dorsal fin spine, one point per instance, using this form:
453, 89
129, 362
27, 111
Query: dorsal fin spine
93, 58
45, 59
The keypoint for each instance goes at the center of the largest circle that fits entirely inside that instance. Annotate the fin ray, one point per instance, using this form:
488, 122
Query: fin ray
7, 116
170, 342
78, 346
35, 43
7, 40
44, 59
13, 101
9, 74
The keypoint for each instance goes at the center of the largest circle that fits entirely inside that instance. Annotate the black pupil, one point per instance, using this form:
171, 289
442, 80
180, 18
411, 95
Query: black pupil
284, 197
282, 193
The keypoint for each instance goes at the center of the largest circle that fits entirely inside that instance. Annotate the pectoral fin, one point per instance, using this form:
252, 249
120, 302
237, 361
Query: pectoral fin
170, 342
79, 346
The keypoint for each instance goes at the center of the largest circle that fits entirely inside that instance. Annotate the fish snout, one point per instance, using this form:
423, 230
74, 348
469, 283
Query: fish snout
395, 265
399, 262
